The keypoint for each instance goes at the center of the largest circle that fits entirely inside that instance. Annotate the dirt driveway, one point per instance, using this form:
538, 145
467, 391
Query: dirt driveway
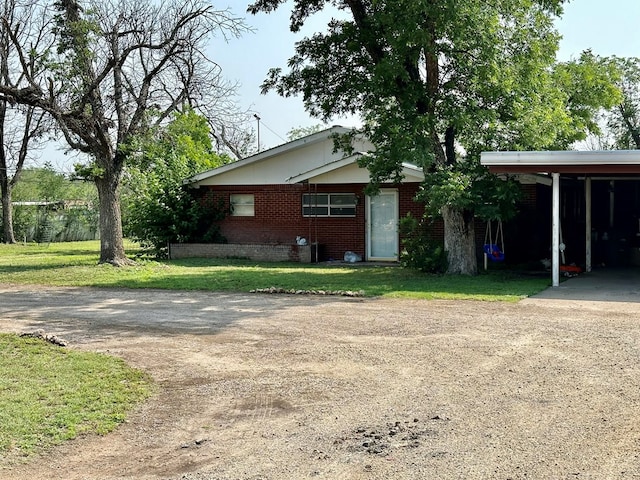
285, 387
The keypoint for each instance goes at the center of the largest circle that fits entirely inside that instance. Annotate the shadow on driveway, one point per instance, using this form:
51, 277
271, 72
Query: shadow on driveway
76, 313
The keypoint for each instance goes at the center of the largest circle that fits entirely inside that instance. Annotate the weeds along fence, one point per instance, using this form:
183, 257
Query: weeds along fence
45, 222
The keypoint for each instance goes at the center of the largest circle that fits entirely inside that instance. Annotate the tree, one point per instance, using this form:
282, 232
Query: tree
623, 120
160, 209
115, 62
435, 83
21, 127
301, 132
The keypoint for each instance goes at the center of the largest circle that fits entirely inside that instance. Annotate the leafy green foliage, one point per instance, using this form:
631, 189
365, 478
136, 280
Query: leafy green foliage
47, 184
623, 120
49, 394
470, 186
590, 83
419, 250
76, 29
159, 208
170, 214
300, 132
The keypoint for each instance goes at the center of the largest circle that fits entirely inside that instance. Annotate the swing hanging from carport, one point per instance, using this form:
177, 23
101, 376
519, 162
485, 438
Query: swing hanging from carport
493, 251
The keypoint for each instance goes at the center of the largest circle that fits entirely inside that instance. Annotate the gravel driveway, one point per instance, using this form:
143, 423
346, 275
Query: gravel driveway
291, 387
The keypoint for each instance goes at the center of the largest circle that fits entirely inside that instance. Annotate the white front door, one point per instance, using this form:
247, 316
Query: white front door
382, 226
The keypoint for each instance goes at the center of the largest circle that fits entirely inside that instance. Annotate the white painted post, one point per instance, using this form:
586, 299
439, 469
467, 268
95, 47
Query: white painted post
555, 231
587, 223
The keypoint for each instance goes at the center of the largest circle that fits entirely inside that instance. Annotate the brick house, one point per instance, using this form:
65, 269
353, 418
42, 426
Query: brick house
306, 189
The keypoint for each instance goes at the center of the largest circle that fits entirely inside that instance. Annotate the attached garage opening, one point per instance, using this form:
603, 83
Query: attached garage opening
592, 204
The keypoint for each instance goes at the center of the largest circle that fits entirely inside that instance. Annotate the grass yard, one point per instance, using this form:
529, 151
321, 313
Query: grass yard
49, 394
75, 264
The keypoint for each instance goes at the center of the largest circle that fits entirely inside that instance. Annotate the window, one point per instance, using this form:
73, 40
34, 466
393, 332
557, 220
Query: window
242, 205
329, 205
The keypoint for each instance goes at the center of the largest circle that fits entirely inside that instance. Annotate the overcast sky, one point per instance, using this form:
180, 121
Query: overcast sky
607, 27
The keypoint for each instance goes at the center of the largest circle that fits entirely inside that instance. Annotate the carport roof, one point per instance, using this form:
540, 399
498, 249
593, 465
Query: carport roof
579, 162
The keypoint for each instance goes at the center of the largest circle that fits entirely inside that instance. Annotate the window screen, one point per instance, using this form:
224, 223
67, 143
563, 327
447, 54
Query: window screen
329, 205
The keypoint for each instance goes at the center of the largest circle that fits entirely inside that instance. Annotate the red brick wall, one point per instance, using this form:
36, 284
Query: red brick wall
278, 220
278, 217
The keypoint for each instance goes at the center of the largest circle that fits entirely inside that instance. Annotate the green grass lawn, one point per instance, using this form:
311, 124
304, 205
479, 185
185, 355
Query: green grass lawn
49, 394
75, 264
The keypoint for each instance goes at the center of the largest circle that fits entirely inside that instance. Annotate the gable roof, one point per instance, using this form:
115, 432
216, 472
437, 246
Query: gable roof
308, 159
265, 155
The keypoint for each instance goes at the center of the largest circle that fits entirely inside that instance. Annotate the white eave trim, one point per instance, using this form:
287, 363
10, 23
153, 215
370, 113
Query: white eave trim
413, 170
564, 158
407, 169
326, 168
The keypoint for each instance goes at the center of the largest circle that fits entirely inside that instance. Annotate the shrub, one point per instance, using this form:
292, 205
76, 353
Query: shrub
176, 217
419, 250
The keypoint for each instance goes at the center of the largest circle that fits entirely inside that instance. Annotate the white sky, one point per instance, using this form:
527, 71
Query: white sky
607, 27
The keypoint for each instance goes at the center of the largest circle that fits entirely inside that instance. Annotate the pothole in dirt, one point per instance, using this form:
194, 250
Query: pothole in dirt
383, 439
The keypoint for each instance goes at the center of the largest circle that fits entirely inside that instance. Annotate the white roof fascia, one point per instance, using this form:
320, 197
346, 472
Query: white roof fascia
407, 169
568, 157
286, 147
326, 168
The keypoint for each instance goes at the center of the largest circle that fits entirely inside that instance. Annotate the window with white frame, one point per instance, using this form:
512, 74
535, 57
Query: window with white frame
329, 204
242, 204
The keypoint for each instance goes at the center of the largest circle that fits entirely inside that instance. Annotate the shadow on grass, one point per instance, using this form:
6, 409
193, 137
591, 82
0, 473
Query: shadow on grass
243, 276
58, 252
12, 269
235, 275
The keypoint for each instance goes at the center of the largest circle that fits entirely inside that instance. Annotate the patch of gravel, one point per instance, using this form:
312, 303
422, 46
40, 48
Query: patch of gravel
293, 291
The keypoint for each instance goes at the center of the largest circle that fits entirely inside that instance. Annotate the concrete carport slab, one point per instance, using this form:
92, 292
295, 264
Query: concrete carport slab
605, 289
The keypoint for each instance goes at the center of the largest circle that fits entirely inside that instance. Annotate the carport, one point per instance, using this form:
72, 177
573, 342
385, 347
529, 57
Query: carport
610, 166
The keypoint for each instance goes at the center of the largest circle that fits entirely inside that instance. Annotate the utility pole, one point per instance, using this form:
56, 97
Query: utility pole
258, 119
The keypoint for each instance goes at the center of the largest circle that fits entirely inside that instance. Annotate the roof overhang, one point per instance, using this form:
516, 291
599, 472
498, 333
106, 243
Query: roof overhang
326, 168
410, 172
600, 162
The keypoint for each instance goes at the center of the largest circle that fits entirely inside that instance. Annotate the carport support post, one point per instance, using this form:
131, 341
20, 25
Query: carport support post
555, 231
587, 223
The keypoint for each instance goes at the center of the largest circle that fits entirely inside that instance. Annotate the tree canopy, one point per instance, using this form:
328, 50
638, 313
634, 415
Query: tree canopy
622, 122
22, 127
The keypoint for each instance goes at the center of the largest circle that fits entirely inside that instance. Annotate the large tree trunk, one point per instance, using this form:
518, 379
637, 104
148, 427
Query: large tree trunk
7, 214
460, 241
111, 241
